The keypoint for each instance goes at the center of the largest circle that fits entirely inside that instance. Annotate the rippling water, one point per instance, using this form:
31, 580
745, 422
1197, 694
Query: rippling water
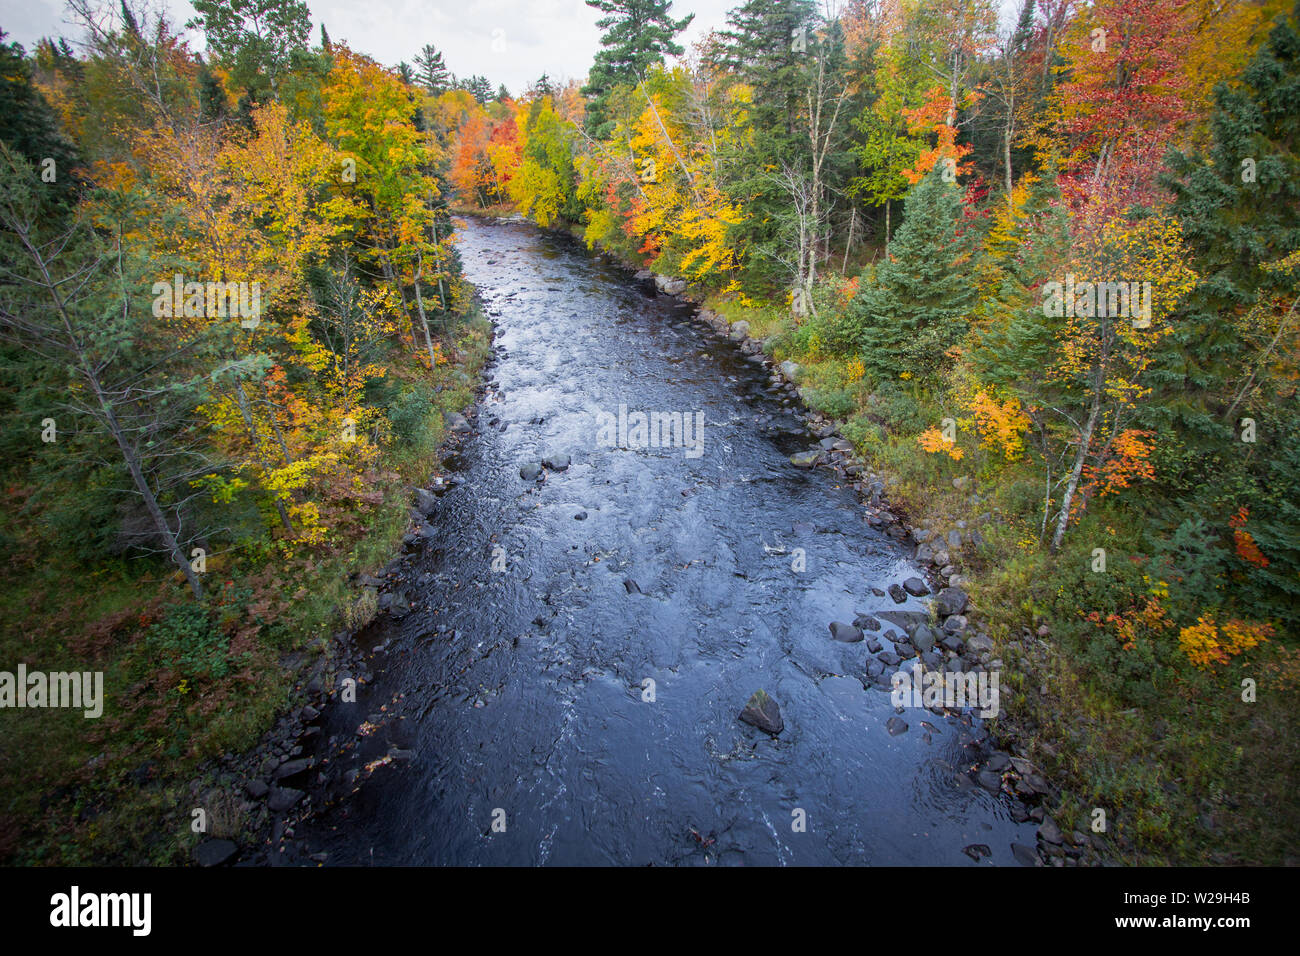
523, 690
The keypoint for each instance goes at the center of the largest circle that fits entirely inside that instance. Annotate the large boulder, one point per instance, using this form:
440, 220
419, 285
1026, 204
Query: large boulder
426, 502
923, 638
214, 852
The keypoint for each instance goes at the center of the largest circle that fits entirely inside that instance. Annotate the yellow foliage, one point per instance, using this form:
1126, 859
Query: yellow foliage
1207, 642
932, 440
1001, 424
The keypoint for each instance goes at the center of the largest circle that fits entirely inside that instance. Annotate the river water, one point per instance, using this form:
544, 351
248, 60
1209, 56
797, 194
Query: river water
517, 688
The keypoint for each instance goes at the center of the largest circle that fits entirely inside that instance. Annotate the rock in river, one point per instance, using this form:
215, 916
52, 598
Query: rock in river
804, 459
530, 471
764, 713
915, 586
283, 798
214, 852
847, 633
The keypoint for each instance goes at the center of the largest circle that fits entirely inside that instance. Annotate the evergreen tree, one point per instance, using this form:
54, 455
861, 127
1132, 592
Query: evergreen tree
28, 124
256, 38
213, 107
542, 88
915, 307
637, 34
768, 47
478, 87
1232, 352
1240, 209
431, 71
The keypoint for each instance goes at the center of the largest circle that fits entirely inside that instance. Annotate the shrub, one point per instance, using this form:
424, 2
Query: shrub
188, 638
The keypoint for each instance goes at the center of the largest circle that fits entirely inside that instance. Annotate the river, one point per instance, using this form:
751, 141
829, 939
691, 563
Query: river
518, 688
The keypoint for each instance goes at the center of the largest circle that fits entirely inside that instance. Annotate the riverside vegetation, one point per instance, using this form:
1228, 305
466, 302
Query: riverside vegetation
190, 493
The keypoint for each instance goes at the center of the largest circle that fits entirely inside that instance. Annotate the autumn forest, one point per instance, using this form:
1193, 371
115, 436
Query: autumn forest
1038, 267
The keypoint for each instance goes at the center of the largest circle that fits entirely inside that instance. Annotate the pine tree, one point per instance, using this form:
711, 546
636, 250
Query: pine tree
431, 71
478, 87
637, 34
542, 88
915, 307
213, 107
28, 124
768, 47
1240, 209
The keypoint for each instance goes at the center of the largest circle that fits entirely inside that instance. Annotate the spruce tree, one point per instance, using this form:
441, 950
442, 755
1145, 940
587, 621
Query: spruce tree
1235, 332
768, 46
916, 305
637, 34
29, 125
431, 71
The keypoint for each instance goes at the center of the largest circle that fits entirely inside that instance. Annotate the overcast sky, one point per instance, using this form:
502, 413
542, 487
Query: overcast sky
508, 41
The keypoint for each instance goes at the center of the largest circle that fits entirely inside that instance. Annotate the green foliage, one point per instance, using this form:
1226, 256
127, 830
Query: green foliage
187, 637
415, 417
256, 38
636, 35
915, 307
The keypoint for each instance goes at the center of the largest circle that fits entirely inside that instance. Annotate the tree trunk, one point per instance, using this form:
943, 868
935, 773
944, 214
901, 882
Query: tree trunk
419, 301
150, 500
1081, 456
391, 275
853, 221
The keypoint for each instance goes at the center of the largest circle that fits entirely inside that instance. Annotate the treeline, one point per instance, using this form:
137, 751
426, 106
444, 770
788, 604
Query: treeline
231, 320
150, 195
1056, 260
